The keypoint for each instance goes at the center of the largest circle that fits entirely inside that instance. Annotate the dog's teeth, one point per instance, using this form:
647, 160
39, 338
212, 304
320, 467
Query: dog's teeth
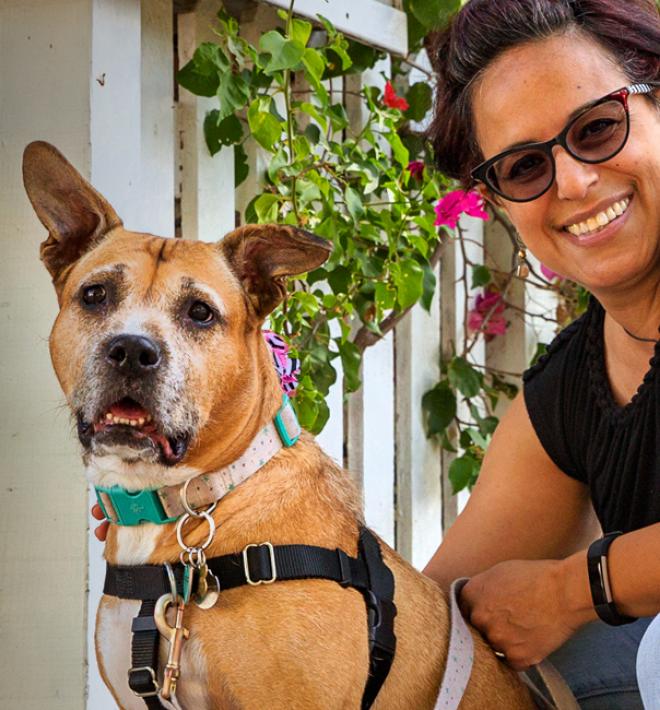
148, 418
123, 420
141, 421
133, 422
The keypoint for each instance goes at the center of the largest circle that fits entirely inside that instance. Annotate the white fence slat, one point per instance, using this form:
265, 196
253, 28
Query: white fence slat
368, 21
378, 441
418, 472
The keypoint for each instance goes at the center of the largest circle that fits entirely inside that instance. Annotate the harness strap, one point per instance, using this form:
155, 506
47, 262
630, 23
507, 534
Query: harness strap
264, 564
143, 674
381, 612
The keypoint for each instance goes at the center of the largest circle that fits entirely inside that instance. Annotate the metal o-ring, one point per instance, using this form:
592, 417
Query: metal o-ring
179, 531
183, 494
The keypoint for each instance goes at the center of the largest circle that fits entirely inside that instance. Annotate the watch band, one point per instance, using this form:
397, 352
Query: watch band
599, 582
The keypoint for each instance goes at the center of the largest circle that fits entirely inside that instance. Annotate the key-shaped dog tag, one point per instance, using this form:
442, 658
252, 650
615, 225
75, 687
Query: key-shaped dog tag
206, 598
202, 583
175, 635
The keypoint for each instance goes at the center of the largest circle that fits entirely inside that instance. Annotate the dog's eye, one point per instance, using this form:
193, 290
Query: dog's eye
94, 295
200, 312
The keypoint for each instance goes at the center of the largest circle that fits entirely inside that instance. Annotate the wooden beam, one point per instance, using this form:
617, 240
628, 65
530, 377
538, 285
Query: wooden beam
367, 21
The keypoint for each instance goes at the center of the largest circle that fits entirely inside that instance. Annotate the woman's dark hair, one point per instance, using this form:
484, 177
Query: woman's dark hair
628, 29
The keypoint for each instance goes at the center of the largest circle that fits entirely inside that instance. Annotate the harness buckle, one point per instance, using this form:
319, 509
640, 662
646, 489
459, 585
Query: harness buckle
381, 613
133, 681
246, 564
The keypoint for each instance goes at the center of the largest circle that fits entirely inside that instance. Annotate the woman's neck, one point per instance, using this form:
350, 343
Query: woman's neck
636, 310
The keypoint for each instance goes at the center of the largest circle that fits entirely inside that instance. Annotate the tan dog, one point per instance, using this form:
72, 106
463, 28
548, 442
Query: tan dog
201, 387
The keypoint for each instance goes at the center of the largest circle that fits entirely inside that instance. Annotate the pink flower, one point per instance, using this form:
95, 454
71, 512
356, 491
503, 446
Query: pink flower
549, 273
391, 100
454, 204
488, 302
416, 169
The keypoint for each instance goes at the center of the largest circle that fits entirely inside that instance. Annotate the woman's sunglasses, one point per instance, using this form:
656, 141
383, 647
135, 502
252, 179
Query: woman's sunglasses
595, 135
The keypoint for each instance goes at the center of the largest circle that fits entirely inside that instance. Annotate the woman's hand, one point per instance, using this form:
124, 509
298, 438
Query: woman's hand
526, 609
101, 530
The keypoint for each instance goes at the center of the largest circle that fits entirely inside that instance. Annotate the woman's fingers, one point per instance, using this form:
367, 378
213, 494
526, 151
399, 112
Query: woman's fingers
97, 512
101, 531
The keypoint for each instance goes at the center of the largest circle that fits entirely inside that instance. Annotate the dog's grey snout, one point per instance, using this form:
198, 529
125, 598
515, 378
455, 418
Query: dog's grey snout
134, 355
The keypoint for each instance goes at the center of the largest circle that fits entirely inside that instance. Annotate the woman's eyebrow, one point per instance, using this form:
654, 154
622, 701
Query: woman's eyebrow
574, 114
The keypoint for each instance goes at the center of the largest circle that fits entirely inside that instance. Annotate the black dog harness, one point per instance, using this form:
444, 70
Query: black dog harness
264, 564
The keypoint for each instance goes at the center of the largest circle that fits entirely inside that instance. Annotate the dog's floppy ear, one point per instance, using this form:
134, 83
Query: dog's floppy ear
72, 211
263, 255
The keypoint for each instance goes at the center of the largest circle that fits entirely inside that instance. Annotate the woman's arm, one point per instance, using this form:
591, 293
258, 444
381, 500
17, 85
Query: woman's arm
523, 507
634, 574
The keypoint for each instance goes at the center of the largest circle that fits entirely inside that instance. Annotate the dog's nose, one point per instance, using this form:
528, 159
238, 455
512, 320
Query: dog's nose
133, 354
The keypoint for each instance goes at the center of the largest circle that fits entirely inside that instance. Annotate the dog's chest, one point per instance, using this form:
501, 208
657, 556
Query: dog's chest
113, 635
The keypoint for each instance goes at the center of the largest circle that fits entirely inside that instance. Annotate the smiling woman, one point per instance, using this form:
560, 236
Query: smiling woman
552, 109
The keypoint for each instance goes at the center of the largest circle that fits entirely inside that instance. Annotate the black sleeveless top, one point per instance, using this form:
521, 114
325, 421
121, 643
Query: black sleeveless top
614, 450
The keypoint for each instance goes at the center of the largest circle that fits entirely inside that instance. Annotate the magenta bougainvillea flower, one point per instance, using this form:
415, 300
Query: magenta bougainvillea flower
550, 274
416, 169
454, 204
489, 302
391, 100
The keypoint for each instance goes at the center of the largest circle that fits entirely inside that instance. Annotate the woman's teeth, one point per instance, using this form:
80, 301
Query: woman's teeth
602, 219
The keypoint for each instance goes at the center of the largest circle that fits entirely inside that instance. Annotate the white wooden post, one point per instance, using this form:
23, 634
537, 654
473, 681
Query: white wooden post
132, 164
44, 93
207, 193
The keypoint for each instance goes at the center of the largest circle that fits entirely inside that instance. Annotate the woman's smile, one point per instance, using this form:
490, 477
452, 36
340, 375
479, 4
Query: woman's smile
598, 223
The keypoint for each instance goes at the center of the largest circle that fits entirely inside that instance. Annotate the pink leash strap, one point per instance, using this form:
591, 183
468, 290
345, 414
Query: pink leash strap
460, 654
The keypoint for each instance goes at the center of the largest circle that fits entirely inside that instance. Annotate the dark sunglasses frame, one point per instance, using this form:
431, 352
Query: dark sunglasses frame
480, 173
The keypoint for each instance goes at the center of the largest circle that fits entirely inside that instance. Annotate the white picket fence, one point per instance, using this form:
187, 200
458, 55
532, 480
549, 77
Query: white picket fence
95, 77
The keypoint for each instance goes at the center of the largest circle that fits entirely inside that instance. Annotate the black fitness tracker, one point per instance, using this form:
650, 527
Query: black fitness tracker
599, 582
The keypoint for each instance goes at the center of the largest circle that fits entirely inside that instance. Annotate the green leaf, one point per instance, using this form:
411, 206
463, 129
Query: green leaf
233, 93
463, 472
439, 404
399, 151
277, 162
354, 204
351, 358
384, 297
219, 133
463, 377
285, 53
241, 166
420, 98
541, 350
266, 208
340, 279
301, 31
265, 128
201, 75
312, 60
338, 117
480, 276
434, 13
408, 278
429, 285
312, 133
488, 425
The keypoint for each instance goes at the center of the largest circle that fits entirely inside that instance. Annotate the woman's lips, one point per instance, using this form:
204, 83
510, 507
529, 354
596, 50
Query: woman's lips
602, 235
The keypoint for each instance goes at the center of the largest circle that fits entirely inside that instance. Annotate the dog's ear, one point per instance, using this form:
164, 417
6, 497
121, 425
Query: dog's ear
263, 255
73, 212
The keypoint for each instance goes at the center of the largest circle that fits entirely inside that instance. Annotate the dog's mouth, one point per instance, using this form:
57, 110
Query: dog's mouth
128, 423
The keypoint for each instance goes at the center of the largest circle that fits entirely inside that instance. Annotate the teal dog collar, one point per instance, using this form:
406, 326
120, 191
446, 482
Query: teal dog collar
163, 505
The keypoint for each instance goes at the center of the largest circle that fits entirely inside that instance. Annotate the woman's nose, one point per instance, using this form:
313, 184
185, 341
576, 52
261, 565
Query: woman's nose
574, 178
